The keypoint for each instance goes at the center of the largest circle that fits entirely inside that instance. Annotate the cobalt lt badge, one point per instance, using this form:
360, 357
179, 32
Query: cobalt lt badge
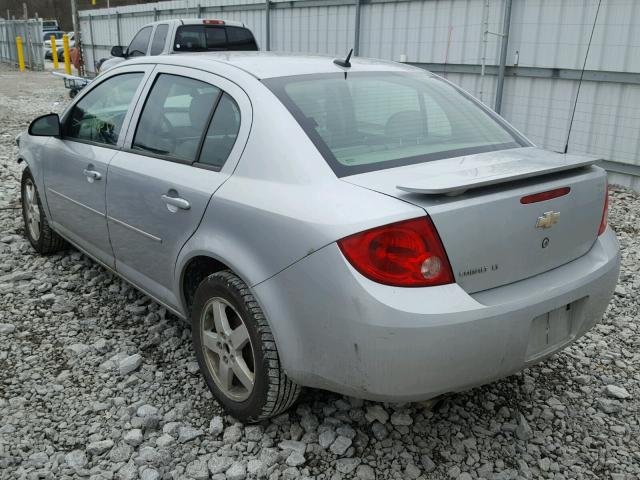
548, 220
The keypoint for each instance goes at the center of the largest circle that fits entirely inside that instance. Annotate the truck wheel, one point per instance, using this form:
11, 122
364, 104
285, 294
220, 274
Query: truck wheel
237, 352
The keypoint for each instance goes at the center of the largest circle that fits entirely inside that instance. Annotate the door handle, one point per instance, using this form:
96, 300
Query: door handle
92, 174
176, 202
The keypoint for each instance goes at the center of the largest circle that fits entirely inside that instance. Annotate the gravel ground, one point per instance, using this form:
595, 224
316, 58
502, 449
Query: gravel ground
98, 381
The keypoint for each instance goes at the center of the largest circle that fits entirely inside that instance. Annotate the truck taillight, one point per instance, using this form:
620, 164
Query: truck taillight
605, 212
213, 22
404, 254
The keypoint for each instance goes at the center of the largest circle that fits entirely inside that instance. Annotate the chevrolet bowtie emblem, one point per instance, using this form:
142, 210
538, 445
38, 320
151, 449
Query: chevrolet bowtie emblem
548, 220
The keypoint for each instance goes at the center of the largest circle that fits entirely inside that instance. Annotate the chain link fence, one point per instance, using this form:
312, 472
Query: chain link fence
32, 42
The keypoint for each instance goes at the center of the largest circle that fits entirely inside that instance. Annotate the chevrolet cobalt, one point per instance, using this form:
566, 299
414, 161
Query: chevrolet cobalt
359, 226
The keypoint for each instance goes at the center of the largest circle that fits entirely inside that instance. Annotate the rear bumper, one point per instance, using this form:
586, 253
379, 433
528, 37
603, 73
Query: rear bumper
338, 331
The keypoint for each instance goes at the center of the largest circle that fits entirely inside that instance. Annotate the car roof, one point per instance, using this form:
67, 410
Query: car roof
196, 21
264, 65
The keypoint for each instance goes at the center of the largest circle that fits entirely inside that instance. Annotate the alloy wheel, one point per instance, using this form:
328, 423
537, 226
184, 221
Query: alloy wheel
227, 349
32, 210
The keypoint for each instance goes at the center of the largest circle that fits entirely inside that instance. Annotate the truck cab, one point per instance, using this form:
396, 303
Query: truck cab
180, 36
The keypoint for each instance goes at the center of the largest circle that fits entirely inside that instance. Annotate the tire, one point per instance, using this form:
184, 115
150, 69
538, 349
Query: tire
272, 392
36, 226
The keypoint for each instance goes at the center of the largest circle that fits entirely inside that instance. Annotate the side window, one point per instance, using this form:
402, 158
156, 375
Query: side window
175, 116
222, 133
159, 38
241, 39
98, 116
139, 44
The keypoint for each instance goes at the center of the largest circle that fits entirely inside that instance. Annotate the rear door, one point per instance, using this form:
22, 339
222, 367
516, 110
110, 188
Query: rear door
183, 144
76, 172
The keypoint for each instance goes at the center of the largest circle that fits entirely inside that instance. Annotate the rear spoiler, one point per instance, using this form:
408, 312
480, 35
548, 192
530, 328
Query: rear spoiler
455, 178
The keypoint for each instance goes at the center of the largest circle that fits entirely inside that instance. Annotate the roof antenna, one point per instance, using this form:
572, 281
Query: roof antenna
344, 63
584, 65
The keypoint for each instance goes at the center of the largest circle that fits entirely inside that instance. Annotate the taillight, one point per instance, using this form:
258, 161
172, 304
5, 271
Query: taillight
605, 212
403, 254
213, 22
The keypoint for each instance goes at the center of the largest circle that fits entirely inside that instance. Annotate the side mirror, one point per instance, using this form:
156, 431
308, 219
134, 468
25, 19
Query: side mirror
117, 51
45, 126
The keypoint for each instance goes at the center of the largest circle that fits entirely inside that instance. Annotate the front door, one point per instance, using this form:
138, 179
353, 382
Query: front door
76, 173
191, 128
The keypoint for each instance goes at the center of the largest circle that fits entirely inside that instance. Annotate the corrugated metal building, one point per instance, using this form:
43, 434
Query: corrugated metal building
547, 44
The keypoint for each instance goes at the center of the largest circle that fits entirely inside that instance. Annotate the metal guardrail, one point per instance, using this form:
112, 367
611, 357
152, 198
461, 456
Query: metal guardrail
30, 31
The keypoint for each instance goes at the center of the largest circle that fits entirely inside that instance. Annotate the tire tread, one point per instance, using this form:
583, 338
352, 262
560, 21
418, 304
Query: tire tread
282, 392
49, 241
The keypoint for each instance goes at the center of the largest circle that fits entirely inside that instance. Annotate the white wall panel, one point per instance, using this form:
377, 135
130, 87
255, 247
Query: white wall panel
545, 33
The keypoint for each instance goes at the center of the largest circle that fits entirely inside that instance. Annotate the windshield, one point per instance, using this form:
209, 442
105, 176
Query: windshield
369, 121
57, 35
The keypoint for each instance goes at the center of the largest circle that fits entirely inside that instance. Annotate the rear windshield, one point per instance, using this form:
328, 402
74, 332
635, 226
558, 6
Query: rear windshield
368, 121
199, 38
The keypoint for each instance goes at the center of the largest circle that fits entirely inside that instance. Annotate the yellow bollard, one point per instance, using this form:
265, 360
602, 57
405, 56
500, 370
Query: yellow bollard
20, 54
54, 52
67, 57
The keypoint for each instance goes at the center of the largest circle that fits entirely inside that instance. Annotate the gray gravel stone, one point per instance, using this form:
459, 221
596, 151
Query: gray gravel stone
165, 440
340, 445
38, 459
198, 469
98, 448
376, 412
187, 434
149, 456
218, 464
128, 471
256, 468
76, 459
347, 465
130, 364
523, 431
365, 472
617, 392
237, 471
402, 419
609, 406
295, 459
7, 328
216, 426
120, 453
232, 434
412, 472
326, 438
133, 437
150, 474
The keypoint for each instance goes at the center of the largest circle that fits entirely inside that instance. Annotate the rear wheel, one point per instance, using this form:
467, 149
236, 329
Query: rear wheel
236, 350
37, 228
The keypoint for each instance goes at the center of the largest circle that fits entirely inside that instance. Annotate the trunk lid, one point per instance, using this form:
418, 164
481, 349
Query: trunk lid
490, 237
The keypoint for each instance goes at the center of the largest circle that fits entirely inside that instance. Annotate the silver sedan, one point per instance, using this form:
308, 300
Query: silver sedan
358, 226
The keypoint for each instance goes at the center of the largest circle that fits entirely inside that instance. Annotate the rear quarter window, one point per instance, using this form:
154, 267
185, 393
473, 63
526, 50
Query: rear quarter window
159, 39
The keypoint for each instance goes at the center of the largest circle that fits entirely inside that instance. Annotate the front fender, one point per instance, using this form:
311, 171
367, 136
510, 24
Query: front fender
31, 154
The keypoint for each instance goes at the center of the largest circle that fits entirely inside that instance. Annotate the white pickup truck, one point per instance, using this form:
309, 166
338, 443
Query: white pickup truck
176, 36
